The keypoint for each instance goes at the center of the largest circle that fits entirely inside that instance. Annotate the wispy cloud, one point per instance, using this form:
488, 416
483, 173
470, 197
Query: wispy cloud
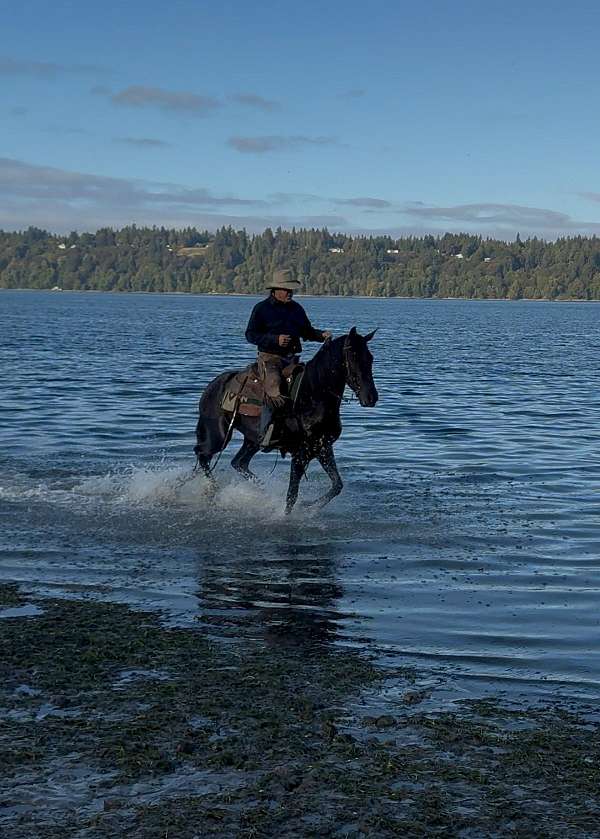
370, 203
142, 142
27, 181
62, 200
502, 221
18, 111
43, 69
276, 142
591, 196
295, 198
354, 93
362, 202
486, 214
255, 101
138, 96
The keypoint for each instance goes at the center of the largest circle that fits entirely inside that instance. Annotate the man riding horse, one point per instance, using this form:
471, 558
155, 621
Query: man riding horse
276, 326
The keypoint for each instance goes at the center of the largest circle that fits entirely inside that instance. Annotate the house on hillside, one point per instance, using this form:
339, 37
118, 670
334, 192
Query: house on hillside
336, 250
194, 250
393, 250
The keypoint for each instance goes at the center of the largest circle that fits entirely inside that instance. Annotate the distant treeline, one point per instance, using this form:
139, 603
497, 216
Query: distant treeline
158, 259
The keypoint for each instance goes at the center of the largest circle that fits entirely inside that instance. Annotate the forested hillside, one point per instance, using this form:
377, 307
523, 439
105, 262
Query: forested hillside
158, 259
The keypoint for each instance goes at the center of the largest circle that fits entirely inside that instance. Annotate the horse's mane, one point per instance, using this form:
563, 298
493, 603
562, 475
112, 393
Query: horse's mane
326, 360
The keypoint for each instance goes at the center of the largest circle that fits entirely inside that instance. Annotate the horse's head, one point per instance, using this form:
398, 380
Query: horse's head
358, 363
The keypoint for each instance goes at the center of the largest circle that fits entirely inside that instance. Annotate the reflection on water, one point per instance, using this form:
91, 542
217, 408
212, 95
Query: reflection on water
291, 598
466, 539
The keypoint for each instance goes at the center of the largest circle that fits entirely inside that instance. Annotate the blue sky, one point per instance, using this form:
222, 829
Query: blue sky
390, 117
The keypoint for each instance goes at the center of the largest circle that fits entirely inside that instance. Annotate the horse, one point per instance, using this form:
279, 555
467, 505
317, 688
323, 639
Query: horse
341, 361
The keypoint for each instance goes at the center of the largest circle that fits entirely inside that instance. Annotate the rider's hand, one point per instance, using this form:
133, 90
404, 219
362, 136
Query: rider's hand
284, 340
326, 334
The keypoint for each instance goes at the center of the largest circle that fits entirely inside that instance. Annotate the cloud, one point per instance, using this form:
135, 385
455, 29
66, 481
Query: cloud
371, 203
255, 101
294, 198
353, 93
502, 221
100, 90
62, 200
591, 196
368, 204
18, 111
142, 142
25, 181
43, 69
276, 142
138, 96
485, 214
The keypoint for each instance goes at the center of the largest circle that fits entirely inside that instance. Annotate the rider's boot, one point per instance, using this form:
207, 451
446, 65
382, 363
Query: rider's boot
266, 427
267, 435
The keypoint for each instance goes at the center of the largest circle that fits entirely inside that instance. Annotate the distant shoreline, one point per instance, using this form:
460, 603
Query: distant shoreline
313, 296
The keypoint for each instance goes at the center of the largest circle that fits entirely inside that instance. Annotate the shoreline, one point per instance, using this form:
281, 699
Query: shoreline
312, 296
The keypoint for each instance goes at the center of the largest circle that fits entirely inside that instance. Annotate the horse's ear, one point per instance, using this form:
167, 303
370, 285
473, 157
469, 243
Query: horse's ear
371, 334
352, 333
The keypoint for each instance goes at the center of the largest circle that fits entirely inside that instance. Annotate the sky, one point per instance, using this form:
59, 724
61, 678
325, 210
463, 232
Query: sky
382, 117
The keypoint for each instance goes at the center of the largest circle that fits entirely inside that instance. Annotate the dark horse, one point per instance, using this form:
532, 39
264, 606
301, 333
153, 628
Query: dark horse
343, 361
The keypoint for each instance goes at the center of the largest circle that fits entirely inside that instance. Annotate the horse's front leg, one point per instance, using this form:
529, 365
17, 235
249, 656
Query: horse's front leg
326, 458
298, 465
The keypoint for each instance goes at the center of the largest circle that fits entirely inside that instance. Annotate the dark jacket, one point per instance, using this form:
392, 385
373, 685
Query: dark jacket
270, 319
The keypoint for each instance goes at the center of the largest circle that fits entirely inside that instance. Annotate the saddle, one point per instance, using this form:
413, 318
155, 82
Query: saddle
245, 390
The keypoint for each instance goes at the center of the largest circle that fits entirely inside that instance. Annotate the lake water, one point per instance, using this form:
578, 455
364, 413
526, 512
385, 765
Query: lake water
466, 541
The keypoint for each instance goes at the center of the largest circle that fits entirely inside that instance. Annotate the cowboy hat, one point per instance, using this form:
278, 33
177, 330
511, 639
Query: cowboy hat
282, 278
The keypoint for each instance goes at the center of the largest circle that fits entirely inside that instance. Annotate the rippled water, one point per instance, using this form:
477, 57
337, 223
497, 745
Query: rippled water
467, 538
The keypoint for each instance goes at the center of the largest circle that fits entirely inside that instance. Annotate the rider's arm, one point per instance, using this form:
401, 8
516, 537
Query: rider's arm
256, 333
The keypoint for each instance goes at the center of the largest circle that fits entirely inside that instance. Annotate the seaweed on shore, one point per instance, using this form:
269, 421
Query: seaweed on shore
156, 732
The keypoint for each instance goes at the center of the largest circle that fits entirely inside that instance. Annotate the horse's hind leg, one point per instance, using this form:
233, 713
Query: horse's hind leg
211, 438
242, 460
299, 463
204, 464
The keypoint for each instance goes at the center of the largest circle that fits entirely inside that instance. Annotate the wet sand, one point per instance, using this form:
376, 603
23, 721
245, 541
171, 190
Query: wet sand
114, 724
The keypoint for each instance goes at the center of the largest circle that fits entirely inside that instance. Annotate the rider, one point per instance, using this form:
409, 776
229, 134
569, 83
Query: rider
276, 326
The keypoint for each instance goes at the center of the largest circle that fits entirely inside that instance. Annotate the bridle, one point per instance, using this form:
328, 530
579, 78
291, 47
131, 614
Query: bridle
350, 377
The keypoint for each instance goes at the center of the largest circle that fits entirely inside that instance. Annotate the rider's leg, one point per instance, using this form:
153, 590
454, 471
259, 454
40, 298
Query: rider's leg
270, 368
